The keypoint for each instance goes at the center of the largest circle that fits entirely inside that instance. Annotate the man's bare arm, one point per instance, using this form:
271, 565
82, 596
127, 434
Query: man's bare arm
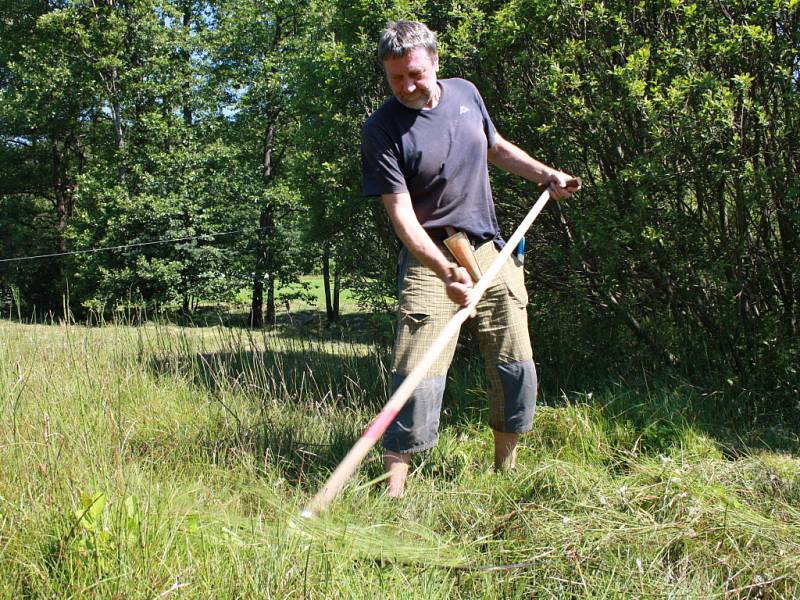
418, 242
515, 160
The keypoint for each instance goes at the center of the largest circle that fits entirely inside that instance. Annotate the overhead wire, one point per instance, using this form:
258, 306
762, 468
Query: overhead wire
126, 246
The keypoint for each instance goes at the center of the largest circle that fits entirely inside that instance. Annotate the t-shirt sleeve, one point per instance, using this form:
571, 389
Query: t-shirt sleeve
380, 169
488, 126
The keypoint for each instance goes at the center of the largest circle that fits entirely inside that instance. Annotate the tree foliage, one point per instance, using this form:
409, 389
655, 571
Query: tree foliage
681, 117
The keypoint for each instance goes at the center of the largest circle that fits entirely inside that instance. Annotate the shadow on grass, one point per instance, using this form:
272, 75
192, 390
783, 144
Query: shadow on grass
738, 423
309, 402
621, 420
361, 326
306, 373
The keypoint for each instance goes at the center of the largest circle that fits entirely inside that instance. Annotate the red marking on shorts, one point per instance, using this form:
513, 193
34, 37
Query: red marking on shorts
379, 425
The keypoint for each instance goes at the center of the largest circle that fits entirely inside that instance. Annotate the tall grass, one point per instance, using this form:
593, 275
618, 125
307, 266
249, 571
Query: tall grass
159, 461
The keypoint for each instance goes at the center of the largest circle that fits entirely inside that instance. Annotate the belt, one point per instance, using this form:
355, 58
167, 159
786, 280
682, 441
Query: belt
439, 234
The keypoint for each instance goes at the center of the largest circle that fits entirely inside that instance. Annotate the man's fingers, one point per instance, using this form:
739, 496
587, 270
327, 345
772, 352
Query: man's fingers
460, 275
460, 293
561, 188
561, 193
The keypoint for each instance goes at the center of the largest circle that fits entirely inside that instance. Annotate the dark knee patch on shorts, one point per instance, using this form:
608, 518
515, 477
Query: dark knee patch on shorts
519, 384
416, 428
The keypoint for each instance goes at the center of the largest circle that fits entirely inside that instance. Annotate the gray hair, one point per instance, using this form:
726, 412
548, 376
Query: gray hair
401, 37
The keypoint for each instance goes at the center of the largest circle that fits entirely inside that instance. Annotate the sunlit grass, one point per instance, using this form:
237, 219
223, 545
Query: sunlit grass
307, 294
170, 461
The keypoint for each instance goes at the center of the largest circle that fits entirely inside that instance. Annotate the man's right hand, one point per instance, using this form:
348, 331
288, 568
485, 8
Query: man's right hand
459, 286
457, 281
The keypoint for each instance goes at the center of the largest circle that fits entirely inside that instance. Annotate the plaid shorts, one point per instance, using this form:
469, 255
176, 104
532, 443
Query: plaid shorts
502, 327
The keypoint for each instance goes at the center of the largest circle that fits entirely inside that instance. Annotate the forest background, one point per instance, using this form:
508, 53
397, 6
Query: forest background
232, 126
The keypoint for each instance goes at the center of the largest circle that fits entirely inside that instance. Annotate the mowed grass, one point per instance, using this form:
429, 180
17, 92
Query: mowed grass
159, 461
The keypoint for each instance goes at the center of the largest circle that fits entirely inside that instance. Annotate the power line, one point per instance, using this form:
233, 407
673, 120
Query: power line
123, 247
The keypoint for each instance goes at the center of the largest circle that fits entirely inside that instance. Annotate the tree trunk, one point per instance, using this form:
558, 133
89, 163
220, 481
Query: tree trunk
336, 291
256, 318
63, 204
188, 116
116, 110
266, 225
269, 316
261, 272
111, 81
326, 283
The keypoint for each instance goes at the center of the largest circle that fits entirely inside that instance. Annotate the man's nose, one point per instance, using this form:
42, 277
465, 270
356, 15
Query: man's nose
409, 86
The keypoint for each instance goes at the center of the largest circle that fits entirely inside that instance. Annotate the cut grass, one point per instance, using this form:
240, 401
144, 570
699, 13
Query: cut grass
165, 461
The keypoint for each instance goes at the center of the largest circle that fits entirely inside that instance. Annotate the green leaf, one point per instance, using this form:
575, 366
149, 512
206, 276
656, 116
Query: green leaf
90, 511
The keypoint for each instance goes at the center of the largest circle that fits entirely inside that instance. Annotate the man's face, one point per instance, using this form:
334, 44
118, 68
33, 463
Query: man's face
413, 77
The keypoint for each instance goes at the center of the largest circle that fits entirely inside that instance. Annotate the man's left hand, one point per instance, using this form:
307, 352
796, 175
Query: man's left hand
562, 185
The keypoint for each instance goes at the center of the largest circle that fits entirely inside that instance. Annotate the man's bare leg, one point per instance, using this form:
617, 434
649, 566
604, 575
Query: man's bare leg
505, 450
396, 465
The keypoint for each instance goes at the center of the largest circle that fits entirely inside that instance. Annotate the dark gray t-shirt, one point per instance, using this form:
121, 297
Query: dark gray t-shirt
438, 156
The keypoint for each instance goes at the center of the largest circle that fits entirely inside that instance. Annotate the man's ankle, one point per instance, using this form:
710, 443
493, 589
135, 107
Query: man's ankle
505, 450
396, 465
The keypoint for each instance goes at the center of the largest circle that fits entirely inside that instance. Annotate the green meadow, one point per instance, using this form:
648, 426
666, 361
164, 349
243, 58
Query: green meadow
162, 461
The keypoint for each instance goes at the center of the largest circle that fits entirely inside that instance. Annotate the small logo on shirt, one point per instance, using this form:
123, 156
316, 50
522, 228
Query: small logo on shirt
463, 110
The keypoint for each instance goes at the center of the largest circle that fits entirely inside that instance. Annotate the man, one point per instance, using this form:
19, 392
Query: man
425, 153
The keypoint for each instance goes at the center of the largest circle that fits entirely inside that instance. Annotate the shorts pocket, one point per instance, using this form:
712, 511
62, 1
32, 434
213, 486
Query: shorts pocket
414, 320
515, 281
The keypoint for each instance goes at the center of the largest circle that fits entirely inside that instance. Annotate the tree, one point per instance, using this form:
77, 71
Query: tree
252, 53
42, 153
681, 120
155, 159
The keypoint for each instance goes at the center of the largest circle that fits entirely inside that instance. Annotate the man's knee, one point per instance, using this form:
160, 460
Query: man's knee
514, 403
416, 427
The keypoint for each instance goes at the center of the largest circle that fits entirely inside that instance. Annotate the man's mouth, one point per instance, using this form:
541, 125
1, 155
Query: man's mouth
414, 98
